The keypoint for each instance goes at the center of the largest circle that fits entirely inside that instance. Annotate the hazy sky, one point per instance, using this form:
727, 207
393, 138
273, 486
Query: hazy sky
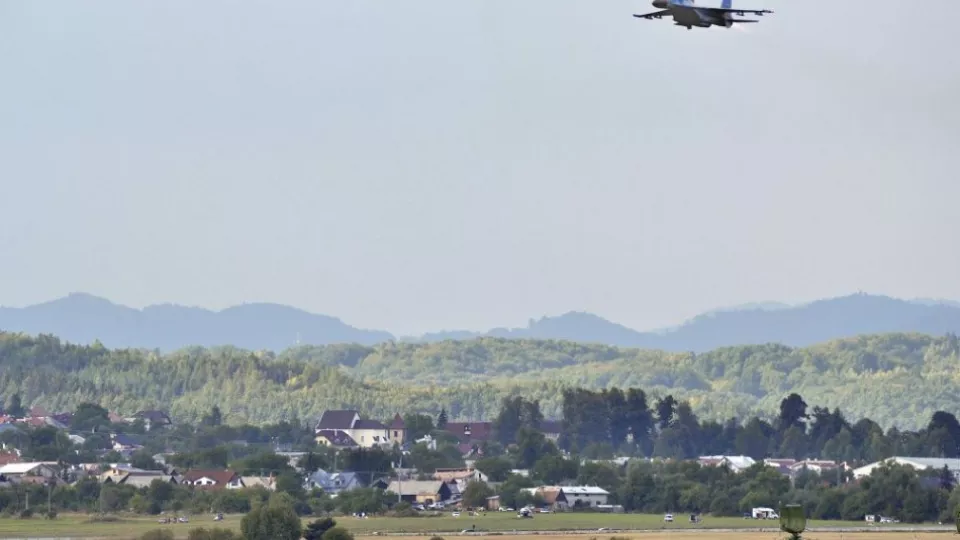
418, 165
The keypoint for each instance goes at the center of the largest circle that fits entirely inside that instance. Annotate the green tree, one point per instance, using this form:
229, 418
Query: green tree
316, 529
215, 418
90, 417
15, 406
337, 533
442, 419
476, 493
496, 468
276, 520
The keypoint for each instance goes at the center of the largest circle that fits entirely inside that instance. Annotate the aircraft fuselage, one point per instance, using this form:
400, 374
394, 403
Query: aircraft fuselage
691, 16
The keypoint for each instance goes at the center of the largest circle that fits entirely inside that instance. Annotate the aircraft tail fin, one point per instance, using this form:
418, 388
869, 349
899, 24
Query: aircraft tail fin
727, 4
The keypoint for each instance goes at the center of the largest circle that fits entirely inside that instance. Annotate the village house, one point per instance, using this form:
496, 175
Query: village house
333, 483
213, 479
918, 463
584, 496
365, 433
813, 465
553, 497
421, 491
335, 438
124, 443
266, 482
564, 497
551, 429
470, 432
23, 471
462, 476
141, 478
735, 463
398, 430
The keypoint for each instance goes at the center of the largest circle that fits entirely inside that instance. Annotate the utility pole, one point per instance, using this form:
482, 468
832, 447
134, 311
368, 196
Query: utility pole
399, 480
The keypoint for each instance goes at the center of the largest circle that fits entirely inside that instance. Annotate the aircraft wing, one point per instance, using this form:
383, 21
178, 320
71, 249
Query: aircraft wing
737, 11
654, 15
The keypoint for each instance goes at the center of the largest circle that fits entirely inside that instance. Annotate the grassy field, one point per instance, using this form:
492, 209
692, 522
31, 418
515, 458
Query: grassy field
77, 526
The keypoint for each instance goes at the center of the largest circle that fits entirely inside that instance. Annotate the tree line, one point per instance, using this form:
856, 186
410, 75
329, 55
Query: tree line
909, 376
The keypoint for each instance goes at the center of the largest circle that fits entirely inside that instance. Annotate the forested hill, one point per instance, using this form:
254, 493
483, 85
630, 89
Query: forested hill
81, 318
894, 379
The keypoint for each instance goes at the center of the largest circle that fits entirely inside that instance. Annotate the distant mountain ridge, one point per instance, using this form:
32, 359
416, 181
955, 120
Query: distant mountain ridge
83, 318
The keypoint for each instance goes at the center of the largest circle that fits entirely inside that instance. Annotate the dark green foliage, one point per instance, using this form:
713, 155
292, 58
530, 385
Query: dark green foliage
275, 520
158, 534
909, 376
475, 494
316, 529
337, 533
201, 533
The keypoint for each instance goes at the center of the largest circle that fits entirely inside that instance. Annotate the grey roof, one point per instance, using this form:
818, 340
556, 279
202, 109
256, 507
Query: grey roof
158, 417
337, 419
144, 480
551, 426
369, 424
415, 487
337, 437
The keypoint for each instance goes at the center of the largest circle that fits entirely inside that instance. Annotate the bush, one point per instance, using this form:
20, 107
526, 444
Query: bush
337, 533
437, 538
318, 527
158, 534
51, 514
212, 534
26, 514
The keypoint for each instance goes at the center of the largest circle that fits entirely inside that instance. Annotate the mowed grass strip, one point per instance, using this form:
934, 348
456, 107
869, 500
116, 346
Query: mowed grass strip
82, 526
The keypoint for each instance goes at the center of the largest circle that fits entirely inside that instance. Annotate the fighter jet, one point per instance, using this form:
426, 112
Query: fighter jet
686, 13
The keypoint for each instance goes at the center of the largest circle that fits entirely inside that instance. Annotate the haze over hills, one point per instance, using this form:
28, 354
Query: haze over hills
83, 318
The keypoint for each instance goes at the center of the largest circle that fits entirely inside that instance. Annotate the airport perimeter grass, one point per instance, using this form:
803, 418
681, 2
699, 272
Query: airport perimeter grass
502, 523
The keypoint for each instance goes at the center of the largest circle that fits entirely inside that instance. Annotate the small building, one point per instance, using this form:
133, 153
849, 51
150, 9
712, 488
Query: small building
335, 438
551, 429
585, 496
333, 483
734, 463
266, 482
21, 471
141, 479
365, 433
471, 432
813, 465
398, 430
213, 479
493, 503
918, 463
462, 476
421, 491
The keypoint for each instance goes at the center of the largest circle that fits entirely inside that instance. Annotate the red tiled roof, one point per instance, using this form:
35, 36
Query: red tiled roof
38, 412
222, 477
8, 457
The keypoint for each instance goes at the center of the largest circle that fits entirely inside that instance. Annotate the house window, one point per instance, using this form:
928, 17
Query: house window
395, 434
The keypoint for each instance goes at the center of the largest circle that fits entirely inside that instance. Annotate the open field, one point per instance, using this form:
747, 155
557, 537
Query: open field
504, 526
